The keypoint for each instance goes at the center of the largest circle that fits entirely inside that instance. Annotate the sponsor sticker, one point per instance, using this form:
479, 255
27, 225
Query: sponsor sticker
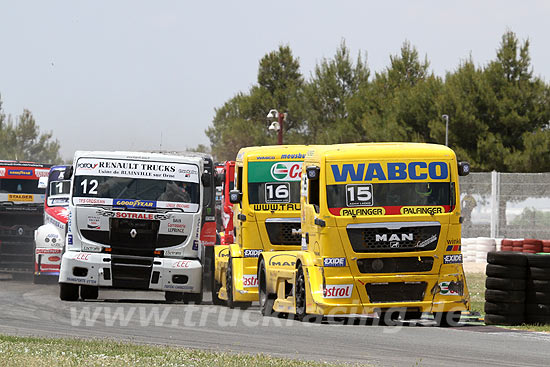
47, 251
252, 253
250, 281
2, 171
176, 228
422, 210
427, 241
338, 291
453, 247
334, 262
41, 172
135, 204
452, 259
94, 222
20, 172
182, 264
69, 239
388, 171
172, 252
283, 260
276, 207
445, 291
356, 212
91, 248
21, 197
278, 171
195, 245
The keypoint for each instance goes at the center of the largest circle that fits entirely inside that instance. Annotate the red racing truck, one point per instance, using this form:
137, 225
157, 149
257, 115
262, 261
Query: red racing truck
21, 213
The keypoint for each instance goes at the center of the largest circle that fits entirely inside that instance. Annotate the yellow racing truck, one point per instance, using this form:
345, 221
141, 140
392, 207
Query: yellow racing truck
381, 232
266, 215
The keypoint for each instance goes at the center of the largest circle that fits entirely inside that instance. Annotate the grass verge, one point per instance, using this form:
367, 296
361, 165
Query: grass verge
49, 352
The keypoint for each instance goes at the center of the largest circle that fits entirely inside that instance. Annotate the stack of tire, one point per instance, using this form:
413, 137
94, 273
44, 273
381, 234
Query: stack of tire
537, 297
468, 249
545, 245
532, 246
517, 245
483, 246
505, 288
507, 245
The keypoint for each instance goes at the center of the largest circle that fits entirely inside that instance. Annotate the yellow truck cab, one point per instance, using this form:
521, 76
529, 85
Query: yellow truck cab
266, 215
381, 232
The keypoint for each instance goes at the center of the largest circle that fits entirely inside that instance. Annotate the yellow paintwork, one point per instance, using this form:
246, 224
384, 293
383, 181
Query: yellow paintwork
331, 241
251, 234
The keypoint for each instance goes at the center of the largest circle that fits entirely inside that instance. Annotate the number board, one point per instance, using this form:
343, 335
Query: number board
359, 195
277, 192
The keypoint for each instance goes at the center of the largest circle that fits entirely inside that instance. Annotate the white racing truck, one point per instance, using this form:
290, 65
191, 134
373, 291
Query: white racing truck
134, 223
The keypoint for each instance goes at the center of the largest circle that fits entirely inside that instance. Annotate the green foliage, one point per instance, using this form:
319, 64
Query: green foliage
22, 140
499, 113
532, 218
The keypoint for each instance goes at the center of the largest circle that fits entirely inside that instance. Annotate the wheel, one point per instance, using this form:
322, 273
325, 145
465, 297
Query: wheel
491, 319
506, 258
229, 284
173, 296
505, 284
266, 300
68, 291
300, 294
506, 271
495, 295
504, 308
446, 319
195, 298
89, 292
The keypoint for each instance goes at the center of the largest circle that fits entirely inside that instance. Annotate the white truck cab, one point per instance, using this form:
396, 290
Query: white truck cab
134, 223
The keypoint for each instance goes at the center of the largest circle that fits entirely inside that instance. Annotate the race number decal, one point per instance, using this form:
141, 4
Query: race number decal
359, 195
277, 192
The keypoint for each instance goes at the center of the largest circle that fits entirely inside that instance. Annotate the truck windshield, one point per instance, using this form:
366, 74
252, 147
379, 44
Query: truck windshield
274, 182
389, 194
20, 186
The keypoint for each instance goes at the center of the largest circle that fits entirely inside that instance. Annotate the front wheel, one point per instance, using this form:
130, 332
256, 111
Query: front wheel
300, 297
68, 291
266, 300
195, 298
173, 296
89, 292
229, 284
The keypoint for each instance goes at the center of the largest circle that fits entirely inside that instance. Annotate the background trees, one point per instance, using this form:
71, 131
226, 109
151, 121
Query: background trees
22, 140
499, 112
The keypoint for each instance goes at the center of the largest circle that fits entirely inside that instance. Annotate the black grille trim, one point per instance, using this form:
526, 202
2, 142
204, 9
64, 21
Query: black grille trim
394, 237
395, 265
396, 292
280, 231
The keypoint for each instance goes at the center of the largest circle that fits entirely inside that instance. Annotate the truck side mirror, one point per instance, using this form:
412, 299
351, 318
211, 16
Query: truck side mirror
235, 196
463, 168
205, 178
313, 172
42, 182
68, 172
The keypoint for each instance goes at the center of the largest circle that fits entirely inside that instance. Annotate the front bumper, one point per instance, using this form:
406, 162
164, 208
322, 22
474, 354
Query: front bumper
129, 272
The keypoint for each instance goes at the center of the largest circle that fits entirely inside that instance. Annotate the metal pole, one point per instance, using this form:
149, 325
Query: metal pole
446, 118
281, 122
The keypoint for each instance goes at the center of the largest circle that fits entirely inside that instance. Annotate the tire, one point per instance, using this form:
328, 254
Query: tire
491, 319
542, 309
68, 291
173, 296
529, 247
506, 271
536, 285
447, 319
195, 298
229, 284
538, 261
504, 308
537, 319
539, 273
506, 258
300, 294
498, 296
505, 284
537, 297
89, 292
266, 300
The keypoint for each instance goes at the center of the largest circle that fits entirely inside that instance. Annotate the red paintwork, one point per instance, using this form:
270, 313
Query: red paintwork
229, 168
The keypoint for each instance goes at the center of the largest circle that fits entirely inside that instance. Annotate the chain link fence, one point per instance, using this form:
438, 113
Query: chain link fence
505, 205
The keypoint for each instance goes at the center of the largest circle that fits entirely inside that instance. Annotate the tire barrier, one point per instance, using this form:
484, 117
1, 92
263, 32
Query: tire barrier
505, 288
517, 286
537, 296
476, 249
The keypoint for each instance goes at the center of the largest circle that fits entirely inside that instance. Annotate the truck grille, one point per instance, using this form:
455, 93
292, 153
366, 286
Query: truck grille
120, 239
17, 239
280, 231
394, 236
396, 292
395, 265
131, 272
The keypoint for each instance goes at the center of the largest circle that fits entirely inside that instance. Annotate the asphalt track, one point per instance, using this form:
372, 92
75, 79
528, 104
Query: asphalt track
35, 310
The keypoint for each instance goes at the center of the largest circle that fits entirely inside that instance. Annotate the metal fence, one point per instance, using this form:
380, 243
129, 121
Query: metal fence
506, 205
